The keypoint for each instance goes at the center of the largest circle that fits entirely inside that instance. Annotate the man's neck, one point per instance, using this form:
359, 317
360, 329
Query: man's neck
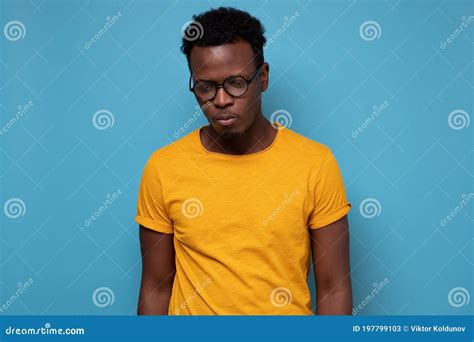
257, 138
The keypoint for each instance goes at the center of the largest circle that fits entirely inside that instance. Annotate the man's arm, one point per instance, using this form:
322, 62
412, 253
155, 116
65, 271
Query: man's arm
330, 246
158, 269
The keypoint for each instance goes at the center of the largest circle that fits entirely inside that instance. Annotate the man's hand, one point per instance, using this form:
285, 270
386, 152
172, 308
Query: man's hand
330, 246
158, 270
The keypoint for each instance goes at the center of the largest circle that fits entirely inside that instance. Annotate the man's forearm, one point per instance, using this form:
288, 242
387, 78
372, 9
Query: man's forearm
154, 301
334, 302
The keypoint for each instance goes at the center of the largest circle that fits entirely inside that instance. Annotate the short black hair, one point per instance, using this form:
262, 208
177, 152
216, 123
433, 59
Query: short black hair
224, 25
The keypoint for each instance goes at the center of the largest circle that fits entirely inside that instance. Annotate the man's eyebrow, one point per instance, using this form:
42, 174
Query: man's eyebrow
231, 75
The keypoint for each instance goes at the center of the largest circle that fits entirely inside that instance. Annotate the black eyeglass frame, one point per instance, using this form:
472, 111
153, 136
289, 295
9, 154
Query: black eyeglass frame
222, 85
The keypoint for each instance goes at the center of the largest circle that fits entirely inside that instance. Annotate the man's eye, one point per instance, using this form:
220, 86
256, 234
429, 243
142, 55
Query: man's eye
203, 87
237, 83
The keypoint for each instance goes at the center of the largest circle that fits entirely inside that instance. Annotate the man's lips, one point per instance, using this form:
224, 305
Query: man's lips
226, 120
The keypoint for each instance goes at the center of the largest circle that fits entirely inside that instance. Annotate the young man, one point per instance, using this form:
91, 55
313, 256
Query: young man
229, 213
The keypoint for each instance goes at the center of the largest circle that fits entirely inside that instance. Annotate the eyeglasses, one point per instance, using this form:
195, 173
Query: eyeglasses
235, 86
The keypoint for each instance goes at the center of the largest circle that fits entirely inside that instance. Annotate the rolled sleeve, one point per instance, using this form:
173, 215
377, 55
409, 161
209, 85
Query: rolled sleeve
151, 209
329, 198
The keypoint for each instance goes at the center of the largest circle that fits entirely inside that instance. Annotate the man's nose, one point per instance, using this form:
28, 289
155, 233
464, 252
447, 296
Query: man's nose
222, 99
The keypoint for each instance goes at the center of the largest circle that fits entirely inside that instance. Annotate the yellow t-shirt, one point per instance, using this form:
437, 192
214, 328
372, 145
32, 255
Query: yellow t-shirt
240, 223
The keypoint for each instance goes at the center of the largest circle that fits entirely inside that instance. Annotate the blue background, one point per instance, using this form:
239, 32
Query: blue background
323, 73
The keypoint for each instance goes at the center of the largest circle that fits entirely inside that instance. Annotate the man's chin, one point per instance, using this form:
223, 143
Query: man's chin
228, 132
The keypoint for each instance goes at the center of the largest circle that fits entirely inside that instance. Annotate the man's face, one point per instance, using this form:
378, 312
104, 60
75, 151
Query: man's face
216, 63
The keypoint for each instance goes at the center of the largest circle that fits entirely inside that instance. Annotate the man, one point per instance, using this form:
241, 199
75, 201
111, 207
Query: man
229, 213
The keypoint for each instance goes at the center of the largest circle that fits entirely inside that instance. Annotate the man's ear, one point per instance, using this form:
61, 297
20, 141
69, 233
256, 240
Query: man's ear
265, 76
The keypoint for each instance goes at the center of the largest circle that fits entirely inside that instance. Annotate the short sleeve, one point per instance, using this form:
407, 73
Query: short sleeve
330, 201
151, 210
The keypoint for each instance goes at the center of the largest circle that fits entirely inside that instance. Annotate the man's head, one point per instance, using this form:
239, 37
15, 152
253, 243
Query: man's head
229, 43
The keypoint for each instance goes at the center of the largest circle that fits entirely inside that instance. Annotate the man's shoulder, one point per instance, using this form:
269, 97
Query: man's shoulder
305, 145
180, 147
